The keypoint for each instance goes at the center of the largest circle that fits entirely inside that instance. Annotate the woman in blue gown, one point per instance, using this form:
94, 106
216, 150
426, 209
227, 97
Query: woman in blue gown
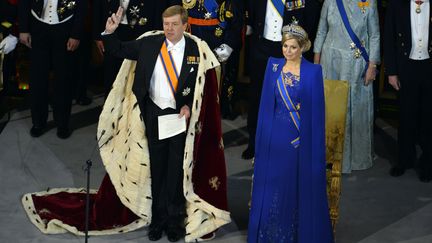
289, 200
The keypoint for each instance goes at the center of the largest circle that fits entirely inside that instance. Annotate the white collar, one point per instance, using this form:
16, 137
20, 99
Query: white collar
178, 46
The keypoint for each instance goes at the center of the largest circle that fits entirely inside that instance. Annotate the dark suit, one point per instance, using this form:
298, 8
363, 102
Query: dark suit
166, 155
416, 84
49, 51
262, 49
147, 18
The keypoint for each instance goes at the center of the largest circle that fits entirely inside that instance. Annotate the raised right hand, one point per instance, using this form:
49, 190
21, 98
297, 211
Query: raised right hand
113, 21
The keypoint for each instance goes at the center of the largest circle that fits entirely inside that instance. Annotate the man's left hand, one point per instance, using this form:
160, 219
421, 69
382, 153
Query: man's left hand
223, 52
72, 44
185, 111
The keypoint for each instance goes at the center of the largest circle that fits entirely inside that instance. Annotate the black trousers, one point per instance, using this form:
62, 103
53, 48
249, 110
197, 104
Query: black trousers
415, 117
166, 159
81, 73
261, 50
229, 84
49, 52
111, 64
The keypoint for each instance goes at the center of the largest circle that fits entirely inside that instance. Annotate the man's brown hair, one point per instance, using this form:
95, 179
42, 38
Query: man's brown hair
174, 10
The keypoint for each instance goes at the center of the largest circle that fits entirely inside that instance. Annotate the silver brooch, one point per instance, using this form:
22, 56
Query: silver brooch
275, 67
71, 5
134, 11
186, 91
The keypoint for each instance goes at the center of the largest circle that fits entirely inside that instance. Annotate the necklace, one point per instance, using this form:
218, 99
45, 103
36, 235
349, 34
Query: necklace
418, 4
288, 78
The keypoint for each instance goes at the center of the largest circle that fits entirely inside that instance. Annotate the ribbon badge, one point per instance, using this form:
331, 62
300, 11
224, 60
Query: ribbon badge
363, 4
192, 60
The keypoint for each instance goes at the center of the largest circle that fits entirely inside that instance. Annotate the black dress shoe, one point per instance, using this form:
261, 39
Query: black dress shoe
155, 233
248, 153
424, 176
85, 100
174, 234
396, 171
63, 132
37, 131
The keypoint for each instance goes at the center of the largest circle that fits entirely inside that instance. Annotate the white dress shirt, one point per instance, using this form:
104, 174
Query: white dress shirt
124, 4
419, 31
160, 89
273, 23
49, 13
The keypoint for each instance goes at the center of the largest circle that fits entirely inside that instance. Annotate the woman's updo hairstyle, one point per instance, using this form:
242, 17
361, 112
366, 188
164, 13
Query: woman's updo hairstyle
296, 32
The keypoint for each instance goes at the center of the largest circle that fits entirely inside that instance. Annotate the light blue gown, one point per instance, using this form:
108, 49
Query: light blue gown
339, 63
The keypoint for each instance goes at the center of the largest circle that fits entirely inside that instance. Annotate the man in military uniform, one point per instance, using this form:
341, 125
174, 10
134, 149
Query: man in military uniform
265, 21
52, 29
139, 16
220, 24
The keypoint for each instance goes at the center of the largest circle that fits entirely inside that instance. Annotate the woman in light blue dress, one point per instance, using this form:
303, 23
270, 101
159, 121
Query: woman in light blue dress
341, 60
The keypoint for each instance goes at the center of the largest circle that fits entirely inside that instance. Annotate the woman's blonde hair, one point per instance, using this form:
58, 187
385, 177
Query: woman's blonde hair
296, 32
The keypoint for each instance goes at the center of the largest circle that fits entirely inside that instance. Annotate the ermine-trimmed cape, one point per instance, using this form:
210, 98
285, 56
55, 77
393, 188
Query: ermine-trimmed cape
123, 202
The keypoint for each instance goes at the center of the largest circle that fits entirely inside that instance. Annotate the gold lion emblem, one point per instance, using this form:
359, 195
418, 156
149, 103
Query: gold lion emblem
214, 183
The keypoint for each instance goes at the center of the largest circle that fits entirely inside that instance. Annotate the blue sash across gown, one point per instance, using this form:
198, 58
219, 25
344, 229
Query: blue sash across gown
289, 201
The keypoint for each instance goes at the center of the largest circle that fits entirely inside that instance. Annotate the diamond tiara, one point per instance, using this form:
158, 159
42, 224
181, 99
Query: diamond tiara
294, 29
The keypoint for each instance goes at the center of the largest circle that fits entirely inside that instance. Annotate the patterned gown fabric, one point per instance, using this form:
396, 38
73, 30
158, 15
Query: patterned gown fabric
125, 191
279, 215
340, 62
289, 201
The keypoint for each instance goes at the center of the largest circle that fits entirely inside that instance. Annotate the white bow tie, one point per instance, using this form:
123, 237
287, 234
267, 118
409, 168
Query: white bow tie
172, 48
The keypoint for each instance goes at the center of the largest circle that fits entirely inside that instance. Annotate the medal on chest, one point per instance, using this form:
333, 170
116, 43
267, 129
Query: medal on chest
418, 4
363, 4
294, 4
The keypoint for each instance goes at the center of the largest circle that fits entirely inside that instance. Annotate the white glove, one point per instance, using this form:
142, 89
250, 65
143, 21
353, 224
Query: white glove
223, 52
249, 30
8, 44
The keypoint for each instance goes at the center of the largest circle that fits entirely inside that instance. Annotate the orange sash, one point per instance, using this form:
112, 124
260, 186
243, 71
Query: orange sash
203, 22
169, 67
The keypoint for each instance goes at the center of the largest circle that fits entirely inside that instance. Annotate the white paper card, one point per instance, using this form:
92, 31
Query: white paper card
171, 125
